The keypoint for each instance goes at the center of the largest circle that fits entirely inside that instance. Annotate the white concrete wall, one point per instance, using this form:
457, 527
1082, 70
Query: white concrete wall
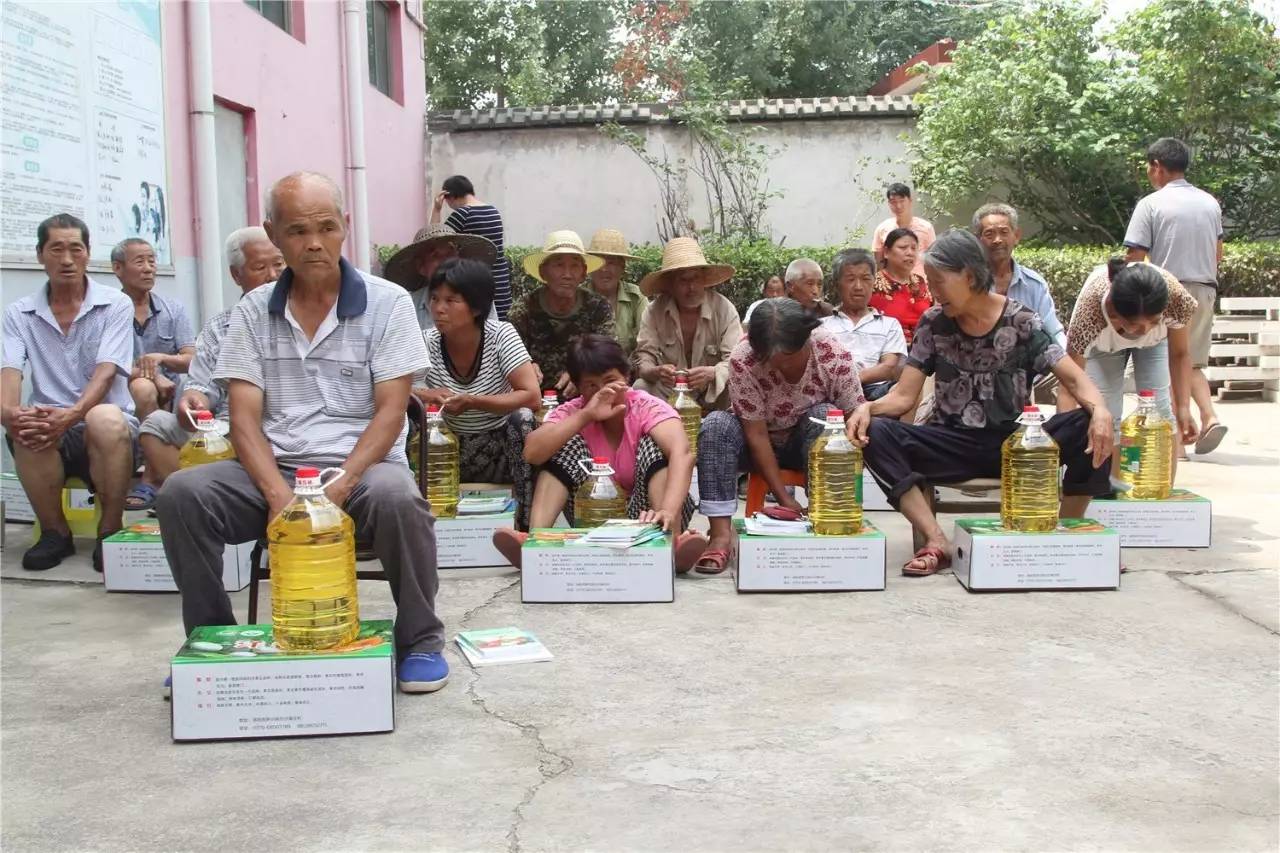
830, 175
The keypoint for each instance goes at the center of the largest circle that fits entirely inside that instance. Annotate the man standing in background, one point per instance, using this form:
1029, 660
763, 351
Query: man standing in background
1179, 227
903, 209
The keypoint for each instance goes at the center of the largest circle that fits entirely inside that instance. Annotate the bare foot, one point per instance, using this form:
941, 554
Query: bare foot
929, 560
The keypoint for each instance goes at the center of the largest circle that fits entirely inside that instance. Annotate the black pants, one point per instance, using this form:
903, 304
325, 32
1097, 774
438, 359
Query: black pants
900, 455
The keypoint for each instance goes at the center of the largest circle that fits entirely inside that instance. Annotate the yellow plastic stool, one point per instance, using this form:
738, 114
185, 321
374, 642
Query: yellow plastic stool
79, 508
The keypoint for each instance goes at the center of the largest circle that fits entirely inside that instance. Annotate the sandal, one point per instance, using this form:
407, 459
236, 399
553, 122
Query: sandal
1210, 439
940, 561
509, 544
712, 562
690, 546
141, 497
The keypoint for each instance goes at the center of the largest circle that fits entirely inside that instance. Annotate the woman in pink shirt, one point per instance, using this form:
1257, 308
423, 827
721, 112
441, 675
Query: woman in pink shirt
640, 435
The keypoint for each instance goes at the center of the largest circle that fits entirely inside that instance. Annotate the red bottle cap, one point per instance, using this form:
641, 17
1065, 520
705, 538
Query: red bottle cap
433, 409
204, 416
1030, 410
310, 473
834, 413
1147, 392
600, 460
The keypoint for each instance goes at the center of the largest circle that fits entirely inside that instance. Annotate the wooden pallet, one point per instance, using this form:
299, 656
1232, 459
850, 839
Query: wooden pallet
1244, 358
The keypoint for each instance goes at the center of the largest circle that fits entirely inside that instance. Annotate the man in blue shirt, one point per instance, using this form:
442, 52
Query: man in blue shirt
996, 227
73, 336
163, 340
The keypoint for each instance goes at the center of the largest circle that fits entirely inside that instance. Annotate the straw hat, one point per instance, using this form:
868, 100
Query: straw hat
684, 253
609, 243
560, 243
403, 266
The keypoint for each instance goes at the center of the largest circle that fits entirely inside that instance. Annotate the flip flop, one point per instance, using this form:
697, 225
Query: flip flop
940, 561
690, 546
712, 562
1210, 439
141, 497
509, 544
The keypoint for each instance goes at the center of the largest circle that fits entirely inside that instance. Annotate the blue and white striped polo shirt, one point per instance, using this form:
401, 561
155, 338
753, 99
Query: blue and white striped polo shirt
200, 376
62, 365
166, 330
315, 408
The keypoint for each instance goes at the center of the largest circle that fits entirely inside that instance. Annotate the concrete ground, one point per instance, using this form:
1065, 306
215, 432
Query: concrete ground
920, 717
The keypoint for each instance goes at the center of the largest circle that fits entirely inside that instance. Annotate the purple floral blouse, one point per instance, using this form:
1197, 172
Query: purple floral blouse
983, 382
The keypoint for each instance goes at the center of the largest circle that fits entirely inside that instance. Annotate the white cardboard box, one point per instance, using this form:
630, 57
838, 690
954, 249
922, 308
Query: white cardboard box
16, 505
558, 572
811, 563
1080, 554
466, 542
1183, 520
232, 682
133, 561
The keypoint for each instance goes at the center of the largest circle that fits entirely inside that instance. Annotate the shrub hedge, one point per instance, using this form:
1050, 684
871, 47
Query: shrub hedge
1248, 268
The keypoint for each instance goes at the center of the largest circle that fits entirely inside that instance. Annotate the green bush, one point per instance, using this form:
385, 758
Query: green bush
1248, 269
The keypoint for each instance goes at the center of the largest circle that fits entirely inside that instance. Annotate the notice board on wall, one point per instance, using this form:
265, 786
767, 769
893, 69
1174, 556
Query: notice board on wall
83, 128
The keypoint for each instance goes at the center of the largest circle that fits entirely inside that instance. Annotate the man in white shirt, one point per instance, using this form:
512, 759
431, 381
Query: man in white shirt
1179, 228
899, 197
875, 340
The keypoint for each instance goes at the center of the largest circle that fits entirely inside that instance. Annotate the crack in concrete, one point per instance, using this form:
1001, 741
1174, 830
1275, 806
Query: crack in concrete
1220, 601
551, 764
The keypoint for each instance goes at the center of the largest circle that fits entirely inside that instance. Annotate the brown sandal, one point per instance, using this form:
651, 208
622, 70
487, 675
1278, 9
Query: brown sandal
940, 561
712, 562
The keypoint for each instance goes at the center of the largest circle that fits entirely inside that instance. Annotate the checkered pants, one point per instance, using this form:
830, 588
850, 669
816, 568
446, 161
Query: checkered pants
649, 461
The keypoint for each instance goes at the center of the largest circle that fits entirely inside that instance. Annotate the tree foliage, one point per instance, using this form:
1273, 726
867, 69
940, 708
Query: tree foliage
1041, 110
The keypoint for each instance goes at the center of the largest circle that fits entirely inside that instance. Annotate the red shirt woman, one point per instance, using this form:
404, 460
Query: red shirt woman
899, 292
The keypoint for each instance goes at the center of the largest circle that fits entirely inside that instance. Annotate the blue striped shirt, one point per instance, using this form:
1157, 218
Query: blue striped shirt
485, 221
315, 408
200, 377
62, 365
166, 330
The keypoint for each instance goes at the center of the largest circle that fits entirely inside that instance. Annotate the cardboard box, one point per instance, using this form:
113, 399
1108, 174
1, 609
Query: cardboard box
16, 505
1183, 520
231, 682
1080, 554
873, 497
556, 571
466, 542
811, 563
133, 561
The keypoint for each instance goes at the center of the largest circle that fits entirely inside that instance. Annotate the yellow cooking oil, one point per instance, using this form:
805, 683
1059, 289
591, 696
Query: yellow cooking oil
312, 545
207, 445
835, 481
1146, 451
689, 410
1029, 485
442, 466
599, 497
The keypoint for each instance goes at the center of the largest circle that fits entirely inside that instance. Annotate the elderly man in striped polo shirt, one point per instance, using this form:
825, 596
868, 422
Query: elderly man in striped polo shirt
76, 337
318, 368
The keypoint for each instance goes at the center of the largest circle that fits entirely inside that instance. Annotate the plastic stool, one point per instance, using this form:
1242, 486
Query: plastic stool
83, 520
757, 488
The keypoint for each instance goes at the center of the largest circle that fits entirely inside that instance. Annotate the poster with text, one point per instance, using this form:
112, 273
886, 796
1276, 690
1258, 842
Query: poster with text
83, 123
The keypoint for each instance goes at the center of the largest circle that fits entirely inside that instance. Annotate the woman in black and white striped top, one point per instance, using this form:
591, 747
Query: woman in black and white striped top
472, 216
481, 376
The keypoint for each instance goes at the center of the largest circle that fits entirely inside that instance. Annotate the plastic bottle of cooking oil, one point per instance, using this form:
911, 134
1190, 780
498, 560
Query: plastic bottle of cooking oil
835, 481
688, 409
442, 466
207, 445
599, 498
413, 449
1029, 486
1146, 451
549, 401
312, 545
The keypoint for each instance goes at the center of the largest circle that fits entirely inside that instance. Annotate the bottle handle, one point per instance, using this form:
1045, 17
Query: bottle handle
588, 468
340, 474
192, 418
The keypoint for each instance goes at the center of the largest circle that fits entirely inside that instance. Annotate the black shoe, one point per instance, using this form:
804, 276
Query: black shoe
97, 557
48, 552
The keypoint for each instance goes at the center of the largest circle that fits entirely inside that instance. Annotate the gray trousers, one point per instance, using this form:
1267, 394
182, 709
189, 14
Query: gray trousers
203, 509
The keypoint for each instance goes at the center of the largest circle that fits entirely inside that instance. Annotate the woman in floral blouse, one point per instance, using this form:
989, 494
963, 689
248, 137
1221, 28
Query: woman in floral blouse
899, 292
984, 350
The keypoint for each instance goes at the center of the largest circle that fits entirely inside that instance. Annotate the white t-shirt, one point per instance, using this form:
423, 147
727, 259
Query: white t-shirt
870, 338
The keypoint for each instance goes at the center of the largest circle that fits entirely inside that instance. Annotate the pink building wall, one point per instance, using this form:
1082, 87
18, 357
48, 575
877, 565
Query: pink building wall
294, 87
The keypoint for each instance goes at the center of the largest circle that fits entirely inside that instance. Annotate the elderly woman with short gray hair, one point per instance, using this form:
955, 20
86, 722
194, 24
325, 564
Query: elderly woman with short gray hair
984, 350
787, 370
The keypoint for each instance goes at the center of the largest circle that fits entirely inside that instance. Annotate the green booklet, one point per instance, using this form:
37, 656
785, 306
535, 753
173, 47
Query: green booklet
993, 527
254, 643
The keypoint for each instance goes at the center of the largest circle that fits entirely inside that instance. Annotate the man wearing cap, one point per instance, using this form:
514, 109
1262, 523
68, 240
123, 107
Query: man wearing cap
626, 300
549, 317
413, 266
318, 368
688, 327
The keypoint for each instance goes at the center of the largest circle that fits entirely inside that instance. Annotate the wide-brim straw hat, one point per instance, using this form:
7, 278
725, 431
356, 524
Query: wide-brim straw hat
684, 253
609, 243
403, 266
560, 243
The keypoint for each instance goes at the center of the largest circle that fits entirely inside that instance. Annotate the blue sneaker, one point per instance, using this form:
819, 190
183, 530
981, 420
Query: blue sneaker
168, 687
422, 673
